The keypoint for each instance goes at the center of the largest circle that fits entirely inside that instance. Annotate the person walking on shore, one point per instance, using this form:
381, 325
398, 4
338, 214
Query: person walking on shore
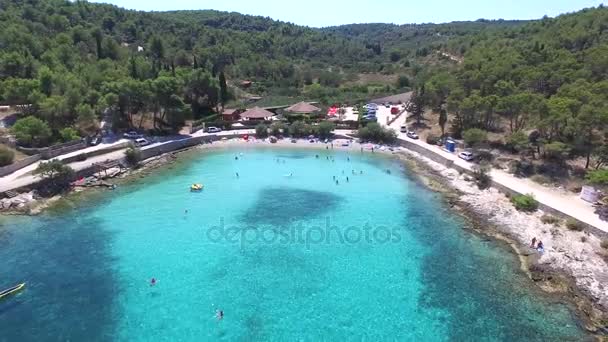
533, 244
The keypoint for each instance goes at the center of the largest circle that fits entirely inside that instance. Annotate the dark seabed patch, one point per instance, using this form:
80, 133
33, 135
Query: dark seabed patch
67, 268
294, 155
281, 206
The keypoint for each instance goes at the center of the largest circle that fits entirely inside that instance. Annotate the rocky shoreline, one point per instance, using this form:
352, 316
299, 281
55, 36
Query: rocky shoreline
574, 266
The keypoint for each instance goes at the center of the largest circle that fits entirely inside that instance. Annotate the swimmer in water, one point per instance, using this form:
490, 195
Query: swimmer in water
346, 179
152, 281
237, 175
219, 314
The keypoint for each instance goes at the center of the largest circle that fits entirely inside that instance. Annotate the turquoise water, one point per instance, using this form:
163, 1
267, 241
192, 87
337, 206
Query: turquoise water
285, 257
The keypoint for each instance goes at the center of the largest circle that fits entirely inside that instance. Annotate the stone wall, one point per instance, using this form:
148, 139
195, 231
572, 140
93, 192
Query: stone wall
19, 164
174, 145
97, 152
54, 151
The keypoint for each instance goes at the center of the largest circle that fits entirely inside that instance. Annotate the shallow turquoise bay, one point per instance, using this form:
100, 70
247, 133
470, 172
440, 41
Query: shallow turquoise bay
285, 257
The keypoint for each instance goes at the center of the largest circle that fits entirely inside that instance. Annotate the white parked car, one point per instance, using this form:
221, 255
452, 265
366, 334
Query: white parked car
466, 155
412, 135
132, 135
213, 129
403, 129
139, 142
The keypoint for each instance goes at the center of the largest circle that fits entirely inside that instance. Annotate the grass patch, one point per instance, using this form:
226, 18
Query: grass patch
548, 219
542, 180
573, 224
525, 203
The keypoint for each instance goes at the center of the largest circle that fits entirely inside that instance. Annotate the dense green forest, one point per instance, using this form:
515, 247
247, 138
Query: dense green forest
549, 76
73, 62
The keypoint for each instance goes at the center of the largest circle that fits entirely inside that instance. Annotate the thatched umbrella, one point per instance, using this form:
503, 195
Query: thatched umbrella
302, 108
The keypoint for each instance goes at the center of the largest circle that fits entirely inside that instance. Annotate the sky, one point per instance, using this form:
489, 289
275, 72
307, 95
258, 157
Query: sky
320, 13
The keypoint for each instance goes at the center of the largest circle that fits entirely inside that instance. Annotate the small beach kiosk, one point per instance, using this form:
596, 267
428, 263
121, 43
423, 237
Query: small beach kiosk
256, 114
302, 108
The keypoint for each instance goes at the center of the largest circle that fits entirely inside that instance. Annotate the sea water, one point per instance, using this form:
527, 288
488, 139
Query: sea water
290, 249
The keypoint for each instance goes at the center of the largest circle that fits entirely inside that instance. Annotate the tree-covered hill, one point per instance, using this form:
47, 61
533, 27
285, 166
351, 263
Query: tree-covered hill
549, 75
71, 61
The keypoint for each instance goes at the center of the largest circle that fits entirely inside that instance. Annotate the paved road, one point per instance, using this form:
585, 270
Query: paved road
567, 203
25, 175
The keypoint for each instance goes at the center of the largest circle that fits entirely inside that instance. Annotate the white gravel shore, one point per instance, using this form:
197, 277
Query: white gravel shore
577, 254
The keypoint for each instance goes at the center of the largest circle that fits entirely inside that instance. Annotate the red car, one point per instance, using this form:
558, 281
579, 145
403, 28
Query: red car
394, 110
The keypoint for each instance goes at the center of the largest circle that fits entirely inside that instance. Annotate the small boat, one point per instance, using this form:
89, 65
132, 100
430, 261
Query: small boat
12, 290
196, 187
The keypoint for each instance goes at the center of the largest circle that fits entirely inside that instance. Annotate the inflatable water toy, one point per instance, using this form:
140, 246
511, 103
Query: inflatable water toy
196, 187
12, 290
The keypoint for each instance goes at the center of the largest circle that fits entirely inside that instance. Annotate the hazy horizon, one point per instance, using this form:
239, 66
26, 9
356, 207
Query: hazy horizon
383, 11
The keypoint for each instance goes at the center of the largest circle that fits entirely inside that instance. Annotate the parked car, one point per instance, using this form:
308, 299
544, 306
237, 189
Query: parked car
466, 155
139, 142
213, 130
403, 129
387, 105
394, 110
96, 140
132, 135
412, 135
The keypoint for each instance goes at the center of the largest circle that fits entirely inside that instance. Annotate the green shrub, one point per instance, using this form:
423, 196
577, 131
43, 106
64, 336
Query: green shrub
604, 244
432, 140
557, 151
524, 203
522, 168
277, 128
474, 136
69, 134
133, 156
573, 224
31, 131
540, 179
597, 177
548, 219
261, 131
373, 132
81, 157
325, 129
482, 176
518, 141
6, 156
299, 129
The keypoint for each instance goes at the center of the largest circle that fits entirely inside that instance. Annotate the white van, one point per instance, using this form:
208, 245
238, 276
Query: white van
403, 129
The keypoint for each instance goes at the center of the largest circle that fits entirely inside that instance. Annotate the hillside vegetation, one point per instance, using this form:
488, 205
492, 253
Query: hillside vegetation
542, 84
